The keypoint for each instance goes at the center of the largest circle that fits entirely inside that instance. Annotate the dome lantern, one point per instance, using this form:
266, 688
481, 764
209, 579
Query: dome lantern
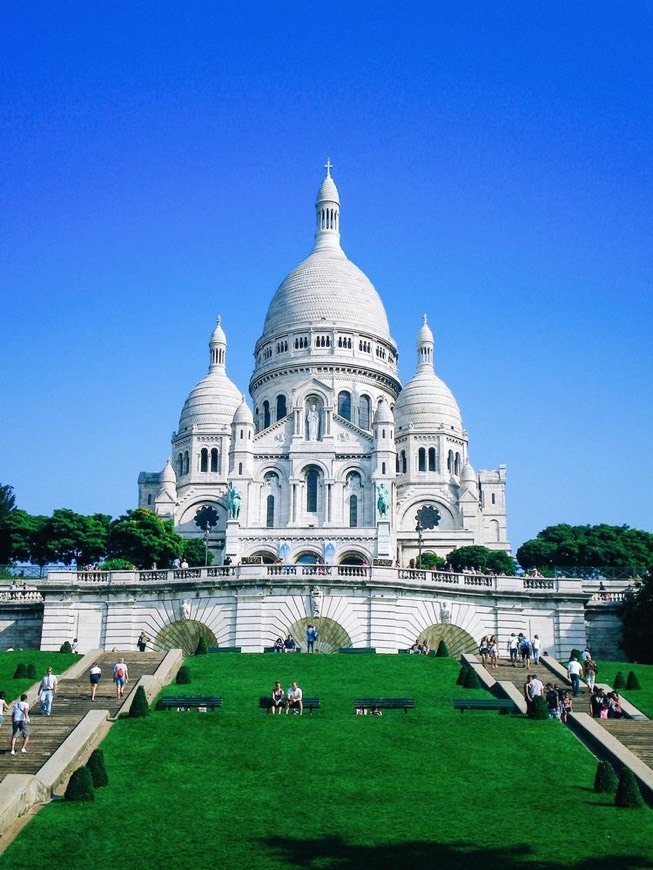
327, 213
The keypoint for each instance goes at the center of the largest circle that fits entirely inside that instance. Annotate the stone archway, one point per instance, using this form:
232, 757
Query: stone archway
183, 634
331, 635
458, 640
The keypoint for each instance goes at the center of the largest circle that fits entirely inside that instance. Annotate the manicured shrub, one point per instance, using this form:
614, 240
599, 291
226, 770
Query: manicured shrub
98, 769
628, 794
619, 681
65, 647
21, 671
461, 676
31, 671
183, 676
537, 709
471, 679
632, 682
80, 786
443, 650
139, 706
605, 780
202, 647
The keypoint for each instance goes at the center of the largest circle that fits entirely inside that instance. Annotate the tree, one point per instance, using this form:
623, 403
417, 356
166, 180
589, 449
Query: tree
195, 552
28, 540
76, 538
628, 795
431, 562
143, 538
139, 706
80, 786
588, 547
637, 618
97, 769
605, 780
481, 559
7, 507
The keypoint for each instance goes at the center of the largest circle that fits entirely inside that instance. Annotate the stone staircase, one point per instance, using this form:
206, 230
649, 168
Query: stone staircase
71, 704
517, 676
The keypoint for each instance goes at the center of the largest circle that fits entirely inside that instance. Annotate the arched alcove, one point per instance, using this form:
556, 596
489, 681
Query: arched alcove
183, 634
331, 635
458, 640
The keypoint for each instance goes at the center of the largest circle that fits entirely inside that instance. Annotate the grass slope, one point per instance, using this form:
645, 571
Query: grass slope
641, 698
241, 789
59, 662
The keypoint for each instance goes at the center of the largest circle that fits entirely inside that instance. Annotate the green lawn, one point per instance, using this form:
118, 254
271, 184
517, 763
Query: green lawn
242, 789
41, 661
643, 697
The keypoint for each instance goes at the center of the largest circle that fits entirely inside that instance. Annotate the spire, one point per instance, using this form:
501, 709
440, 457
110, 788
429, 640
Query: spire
425, 346
218, 348
327, 210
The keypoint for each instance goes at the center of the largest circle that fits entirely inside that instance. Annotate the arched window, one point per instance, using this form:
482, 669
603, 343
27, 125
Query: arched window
450, 462
344, 404
456, 465
312, 477
186, 462
364, 412
180, 465
421, 459
383, 468
266, 414
404, 462
269, 520
353, 511
432, 462
494, 498
204, 459
281, 407
149, 499
214, 459
240, 468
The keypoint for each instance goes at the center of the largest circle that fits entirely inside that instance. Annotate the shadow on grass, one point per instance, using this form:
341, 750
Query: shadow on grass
334, 852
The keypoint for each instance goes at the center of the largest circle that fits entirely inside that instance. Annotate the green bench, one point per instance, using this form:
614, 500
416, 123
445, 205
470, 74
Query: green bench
310, 704
357, 650
188, 702
404, 704
224, 649
271, 649
504, 705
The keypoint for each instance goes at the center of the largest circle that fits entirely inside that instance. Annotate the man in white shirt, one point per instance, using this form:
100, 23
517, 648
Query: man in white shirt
20, 723
47, 691
574, 670
294, 699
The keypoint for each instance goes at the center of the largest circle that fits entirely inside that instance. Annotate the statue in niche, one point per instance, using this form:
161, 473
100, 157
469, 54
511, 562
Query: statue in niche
313, 420
316, 600
185, 608
233, 503
383, 501
445, 613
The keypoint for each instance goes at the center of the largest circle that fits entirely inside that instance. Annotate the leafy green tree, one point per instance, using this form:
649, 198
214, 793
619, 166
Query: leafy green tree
28, 539
431, 562
143, 538
7, 501
482, 559
589, 547
195, 552
637, 618
73, 537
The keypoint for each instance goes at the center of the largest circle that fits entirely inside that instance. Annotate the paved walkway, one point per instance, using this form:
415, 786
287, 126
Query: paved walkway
71, 704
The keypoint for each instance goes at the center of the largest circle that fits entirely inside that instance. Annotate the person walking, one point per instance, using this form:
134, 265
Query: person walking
142, 641
120, 677
47, 691
94, 675
4, 707
20, 724
574, 670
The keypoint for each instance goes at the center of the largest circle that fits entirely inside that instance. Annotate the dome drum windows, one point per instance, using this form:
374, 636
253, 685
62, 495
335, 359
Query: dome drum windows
301, 343
365, 346
282, 346
454, 463
344, 341
322, 341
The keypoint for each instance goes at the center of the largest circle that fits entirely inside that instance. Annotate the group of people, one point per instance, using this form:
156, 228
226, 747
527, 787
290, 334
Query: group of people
420, 647
488, 650
521, 647
284, 646
290, 701
559, 702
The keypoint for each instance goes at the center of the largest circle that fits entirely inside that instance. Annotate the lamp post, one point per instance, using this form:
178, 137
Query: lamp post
420, 539
207, 532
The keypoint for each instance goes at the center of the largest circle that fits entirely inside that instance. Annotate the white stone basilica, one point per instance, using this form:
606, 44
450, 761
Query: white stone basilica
337, 463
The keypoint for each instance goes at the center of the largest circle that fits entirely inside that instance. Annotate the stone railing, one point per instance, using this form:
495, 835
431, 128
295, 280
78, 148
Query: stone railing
20, 596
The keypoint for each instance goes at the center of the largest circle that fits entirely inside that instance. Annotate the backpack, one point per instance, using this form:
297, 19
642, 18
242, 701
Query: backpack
525, 646
120, 673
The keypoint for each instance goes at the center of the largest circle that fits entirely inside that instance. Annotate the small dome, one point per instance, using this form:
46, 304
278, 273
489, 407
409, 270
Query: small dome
468, 476
383, 414
243, 414
428, 403
213, 402
424, 334
168, 474
328, 191
218, 333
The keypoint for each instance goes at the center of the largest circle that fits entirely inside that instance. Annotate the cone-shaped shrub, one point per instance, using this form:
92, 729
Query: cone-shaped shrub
139, 706
537, 708
21, 671
31, 671
605, 780
65, 647
183, 676
632, 682
202, 647
98, 769
471, 679
619, 681
80, 786
443, 650
461, 676
628, 794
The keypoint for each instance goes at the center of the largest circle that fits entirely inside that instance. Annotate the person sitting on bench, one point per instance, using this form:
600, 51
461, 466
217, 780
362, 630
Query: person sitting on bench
289, 645
294, 700
278, 645
278, 698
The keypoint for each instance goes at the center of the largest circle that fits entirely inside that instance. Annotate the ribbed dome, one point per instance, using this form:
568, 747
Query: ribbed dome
327, 288
383, 414
427, 402
213, 402
168, 474
243, 413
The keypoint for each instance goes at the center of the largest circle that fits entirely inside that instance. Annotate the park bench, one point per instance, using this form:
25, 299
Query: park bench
357, 650
310, 704
271, 649
504, 705
431, 653
404, 704
186, 702
224, 649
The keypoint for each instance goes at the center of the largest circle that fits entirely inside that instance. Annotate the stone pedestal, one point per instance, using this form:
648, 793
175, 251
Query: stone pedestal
232, 541
383, 541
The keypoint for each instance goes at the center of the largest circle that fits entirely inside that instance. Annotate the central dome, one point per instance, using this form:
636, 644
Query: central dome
327, 289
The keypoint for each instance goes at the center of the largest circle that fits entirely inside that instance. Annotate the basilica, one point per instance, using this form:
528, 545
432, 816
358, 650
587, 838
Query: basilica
334, 461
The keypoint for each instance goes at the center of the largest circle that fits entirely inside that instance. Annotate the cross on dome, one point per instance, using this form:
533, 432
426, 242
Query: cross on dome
328, 166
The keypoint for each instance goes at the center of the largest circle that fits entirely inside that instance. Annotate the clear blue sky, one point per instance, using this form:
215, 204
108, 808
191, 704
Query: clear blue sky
159, 165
